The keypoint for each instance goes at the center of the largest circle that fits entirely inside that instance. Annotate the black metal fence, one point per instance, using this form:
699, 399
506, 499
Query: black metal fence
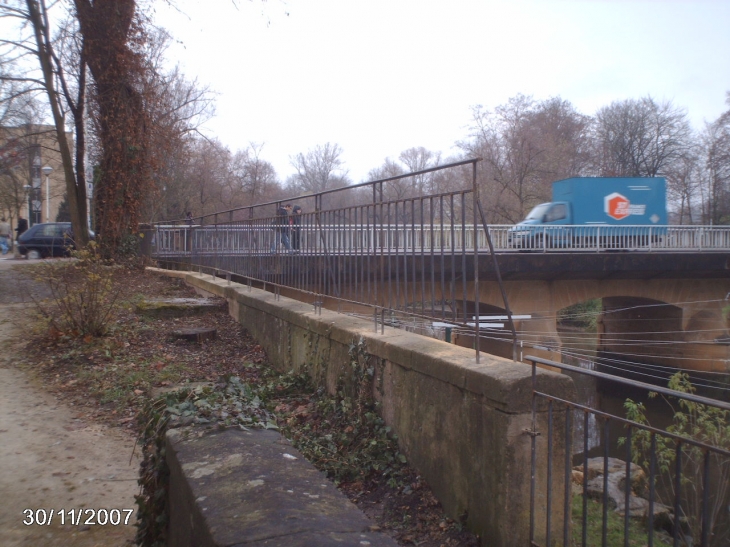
671, 485
384, 248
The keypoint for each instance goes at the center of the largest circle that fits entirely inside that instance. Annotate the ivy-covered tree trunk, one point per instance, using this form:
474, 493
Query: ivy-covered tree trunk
108, 28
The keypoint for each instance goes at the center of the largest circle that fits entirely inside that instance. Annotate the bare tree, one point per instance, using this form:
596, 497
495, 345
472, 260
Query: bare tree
405, 188
19, 112
639, 138
254, 178
419, 159
64, 88
525, 146
320, 169
180, 107
207, 174
716, 189
684, 179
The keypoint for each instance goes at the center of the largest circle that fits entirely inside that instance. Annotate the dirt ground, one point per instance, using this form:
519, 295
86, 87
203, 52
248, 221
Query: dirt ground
53, 457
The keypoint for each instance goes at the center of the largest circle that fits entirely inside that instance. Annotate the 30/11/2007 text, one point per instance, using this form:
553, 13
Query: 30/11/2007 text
77, 517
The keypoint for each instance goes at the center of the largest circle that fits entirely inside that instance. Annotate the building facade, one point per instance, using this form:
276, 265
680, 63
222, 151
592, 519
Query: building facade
32, 181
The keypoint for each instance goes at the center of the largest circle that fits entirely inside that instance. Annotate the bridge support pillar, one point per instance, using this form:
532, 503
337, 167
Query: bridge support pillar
706, 336
537, 335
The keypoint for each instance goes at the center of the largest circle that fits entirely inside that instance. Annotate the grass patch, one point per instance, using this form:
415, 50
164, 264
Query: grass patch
122, 381
638, 533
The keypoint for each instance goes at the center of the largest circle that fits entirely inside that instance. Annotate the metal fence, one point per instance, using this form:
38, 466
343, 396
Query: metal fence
401, 259
354, 233
676, 491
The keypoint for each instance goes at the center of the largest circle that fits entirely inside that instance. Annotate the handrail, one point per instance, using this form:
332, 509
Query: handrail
394, 236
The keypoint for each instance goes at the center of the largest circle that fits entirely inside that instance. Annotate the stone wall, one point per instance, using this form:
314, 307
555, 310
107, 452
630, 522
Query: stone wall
464, 426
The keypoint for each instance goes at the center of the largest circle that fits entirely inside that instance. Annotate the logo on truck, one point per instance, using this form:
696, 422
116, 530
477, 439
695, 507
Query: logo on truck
619, 207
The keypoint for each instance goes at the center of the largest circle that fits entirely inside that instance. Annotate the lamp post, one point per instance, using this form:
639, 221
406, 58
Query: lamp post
47, 169
27, 189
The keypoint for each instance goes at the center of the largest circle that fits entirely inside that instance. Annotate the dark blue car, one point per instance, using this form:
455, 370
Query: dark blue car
46, 240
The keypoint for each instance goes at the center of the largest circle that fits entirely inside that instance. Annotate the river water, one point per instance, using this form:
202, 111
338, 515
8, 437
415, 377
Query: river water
580, 351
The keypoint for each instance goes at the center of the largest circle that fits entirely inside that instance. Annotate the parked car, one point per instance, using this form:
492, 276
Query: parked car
47, 239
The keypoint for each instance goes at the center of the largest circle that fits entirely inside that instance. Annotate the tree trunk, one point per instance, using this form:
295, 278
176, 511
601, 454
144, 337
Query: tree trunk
107, 26
75, 188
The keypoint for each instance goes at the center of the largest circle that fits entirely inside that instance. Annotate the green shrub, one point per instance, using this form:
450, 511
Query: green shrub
697, 422
583, 314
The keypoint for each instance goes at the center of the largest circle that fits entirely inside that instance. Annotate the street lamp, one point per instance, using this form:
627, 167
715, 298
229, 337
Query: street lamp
47, 171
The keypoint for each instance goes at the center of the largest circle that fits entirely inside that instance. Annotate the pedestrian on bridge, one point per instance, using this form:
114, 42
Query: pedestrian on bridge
281, 228
296, 223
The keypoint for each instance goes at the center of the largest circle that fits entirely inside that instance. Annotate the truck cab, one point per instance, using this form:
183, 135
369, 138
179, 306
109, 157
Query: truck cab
528, 234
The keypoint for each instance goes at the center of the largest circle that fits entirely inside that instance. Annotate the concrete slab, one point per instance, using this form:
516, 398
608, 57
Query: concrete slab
252, 488
179, 307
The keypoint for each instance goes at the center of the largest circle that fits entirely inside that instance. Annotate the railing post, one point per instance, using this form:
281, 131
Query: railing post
475, 199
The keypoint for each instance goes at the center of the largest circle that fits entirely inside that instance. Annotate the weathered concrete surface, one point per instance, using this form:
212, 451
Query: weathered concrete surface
463, 425
252, 488
197, 335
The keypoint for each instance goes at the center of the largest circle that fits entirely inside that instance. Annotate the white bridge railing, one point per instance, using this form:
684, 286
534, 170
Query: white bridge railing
255, 238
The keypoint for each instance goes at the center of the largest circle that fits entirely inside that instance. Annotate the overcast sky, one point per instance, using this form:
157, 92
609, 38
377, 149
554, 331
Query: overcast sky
381, 76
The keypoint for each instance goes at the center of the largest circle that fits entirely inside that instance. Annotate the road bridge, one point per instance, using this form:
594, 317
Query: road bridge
666, 304
430, 263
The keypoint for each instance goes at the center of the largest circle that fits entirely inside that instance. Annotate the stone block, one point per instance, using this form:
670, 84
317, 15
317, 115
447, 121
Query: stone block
252, 488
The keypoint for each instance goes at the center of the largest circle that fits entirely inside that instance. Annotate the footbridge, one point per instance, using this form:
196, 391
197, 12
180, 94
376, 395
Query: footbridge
432, 265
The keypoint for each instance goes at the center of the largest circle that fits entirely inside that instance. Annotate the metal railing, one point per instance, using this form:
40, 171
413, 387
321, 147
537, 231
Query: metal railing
401, 260
685, 469
258, 236
395, 259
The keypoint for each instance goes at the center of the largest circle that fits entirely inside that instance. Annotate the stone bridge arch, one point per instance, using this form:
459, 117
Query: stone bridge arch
697, 314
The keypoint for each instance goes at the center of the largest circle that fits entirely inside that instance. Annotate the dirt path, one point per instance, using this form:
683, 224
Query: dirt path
54, 459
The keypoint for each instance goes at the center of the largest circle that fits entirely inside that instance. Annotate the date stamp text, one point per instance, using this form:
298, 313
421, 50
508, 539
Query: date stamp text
77, 517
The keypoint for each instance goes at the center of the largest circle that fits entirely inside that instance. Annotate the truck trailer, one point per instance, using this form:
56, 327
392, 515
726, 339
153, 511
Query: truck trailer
591, 212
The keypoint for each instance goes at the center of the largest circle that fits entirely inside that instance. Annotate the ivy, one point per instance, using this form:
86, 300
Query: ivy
342, 435
345, 436
230, 403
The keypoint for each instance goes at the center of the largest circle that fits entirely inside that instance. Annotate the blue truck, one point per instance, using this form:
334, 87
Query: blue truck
596, 212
